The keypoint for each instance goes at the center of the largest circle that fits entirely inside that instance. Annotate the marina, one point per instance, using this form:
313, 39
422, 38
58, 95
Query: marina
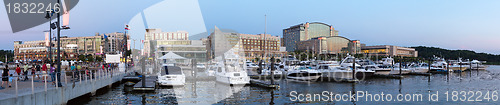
202, 92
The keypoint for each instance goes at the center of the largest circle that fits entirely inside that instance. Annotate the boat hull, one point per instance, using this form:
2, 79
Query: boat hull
304, 76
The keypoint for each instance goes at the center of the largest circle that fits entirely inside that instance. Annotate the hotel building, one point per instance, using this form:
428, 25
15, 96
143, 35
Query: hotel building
389, 50
158, 43
319, 38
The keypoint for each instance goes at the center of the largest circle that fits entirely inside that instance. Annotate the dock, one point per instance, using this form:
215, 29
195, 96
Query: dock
389, 76
326, 79
422, 74
265, 84
150, 85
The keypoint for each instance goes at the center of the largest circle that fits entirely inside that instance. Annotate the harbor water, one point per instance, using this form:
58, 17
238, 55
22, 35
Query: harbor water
445, 86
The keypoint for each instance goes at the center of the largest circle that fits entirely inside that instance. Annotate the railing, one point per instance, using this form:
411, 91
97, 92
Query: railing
74, 76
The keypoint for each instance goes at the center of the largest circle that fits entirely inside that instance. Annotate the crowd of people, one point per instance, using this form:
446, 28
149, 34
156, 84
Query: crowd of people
42, 71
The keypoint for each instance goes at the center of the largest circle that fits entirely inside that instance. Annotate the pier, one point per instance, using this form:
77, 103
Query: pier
38, 92
148, 84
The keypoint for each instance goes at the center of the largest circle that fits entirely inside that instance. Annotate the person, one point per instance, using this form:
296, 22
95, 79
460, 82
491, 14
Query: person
44, 71
10, 80
25, 71
38, 71
5, 75
18, 71
73, 69
53, 73
33, 68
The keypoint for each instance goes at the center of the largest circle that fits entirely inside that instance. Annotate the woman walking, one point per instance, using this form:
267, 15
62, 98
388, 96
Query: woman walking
5, 76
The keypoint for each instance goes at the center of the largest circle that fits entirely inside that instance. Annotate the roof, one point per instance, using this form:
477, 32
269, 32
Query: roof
171, 55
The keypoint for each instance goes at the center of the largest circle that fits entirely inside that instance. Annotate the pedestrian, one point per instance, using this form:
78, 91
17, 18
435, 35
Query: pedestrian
25, 71
18, 71
38, 71
44, 71
5, 75
73, 69
53, 73
33, 71
10, 80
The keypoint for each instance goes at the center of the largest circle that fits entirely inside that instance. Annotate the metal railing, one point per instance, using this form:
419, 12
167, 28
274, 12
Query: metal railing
76, 76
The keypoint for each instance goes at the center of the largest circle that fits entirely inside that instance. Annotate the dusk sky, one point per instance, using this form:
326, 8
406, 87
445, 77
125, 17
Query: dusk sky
451, 24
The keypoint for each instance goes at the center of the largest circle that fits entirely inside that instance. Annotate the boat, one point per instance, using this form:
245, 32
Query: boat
251, 65
360, 72
439, 65
277, 72
231, 72
334, 71
370, 65
388, 64
171, 76
303, 73
477, 65
419, 67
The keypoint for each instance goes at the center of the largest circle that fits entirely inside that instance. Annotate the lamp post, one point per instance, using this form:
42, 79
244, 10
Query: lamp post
49, 16
58, 46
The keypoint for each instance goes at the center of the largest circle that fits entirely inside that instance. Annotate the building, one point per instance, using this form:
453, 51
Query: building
71, 47
329, 45
158, 43
306, 31
256, 46
318, 38
389, 50
219, 42
157, 34
253, 46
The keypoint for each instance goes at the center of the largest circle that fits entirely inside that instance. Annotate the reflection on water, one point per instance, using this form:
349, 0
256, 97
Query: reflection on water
206, 92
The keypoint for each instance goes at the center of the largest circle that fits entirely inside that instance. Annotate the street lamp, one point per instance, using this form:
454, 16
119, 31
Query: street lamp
49, 16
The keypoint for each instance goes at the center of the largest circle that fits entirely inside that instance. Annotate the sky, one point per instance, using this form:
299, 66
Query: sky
450, 24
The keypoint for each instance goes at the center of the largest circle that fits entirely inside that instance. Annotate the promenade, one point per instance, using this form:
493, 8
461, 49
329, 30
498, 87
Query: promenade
36, 91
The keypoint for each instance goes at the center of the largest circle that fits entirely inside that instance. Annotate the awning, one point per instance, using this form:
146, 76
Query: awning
171, 55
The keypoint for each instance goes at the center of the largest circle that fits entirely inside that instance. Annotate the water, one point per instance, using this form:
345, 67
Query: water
210, 92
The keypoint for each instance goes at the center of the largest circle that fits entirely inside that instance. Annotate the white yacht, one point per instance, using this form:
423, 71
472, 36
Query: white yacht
251, 66
303, 73
171, 76
419, 67
231, 72
439, 65
277, 72
370, 65
388, 63
475, 64
360, 72
334, 71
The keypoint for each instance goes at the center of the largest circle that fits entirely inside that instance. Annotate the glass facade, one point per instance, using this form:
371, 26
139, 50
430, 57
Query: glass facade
306, 31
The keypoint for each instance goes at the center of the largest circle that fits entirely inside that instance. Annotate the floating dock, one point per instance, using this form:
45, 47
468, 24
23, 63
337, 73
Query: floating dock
265, 84
422, 74
149, 85
326, 79
389, 76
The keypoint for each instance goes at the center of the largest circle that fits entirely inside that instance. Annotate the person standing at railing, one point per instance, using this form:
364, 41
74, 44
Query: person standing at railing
53, 74
25, 71
44, 71
72, 69
33, 72
37, 68
18, 71
5, 75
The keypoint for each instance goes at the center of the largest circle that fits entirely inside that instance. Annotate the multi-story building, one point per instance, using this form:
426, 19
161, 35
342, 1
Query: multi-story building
256, 46
252, 46
389, 50
71, 47
158, 43
329, 45
157, 34
306, 31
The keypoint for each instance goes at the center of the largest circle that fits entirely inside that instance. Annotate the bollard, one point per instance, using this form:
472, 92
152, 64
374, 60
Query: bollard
45, 78
85, 77
32, 86
65, 78
16, 87
57, 85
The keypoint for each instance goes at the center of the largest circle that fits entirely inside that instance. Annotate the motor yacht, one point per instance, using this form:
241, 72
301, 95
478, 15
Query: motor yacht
171, 76
303, 73
419, 67
360, 72
334, 71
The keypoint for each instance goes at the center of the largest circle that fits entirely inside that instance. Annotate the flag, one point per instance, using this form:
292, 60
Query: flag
126, 27
105, 37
